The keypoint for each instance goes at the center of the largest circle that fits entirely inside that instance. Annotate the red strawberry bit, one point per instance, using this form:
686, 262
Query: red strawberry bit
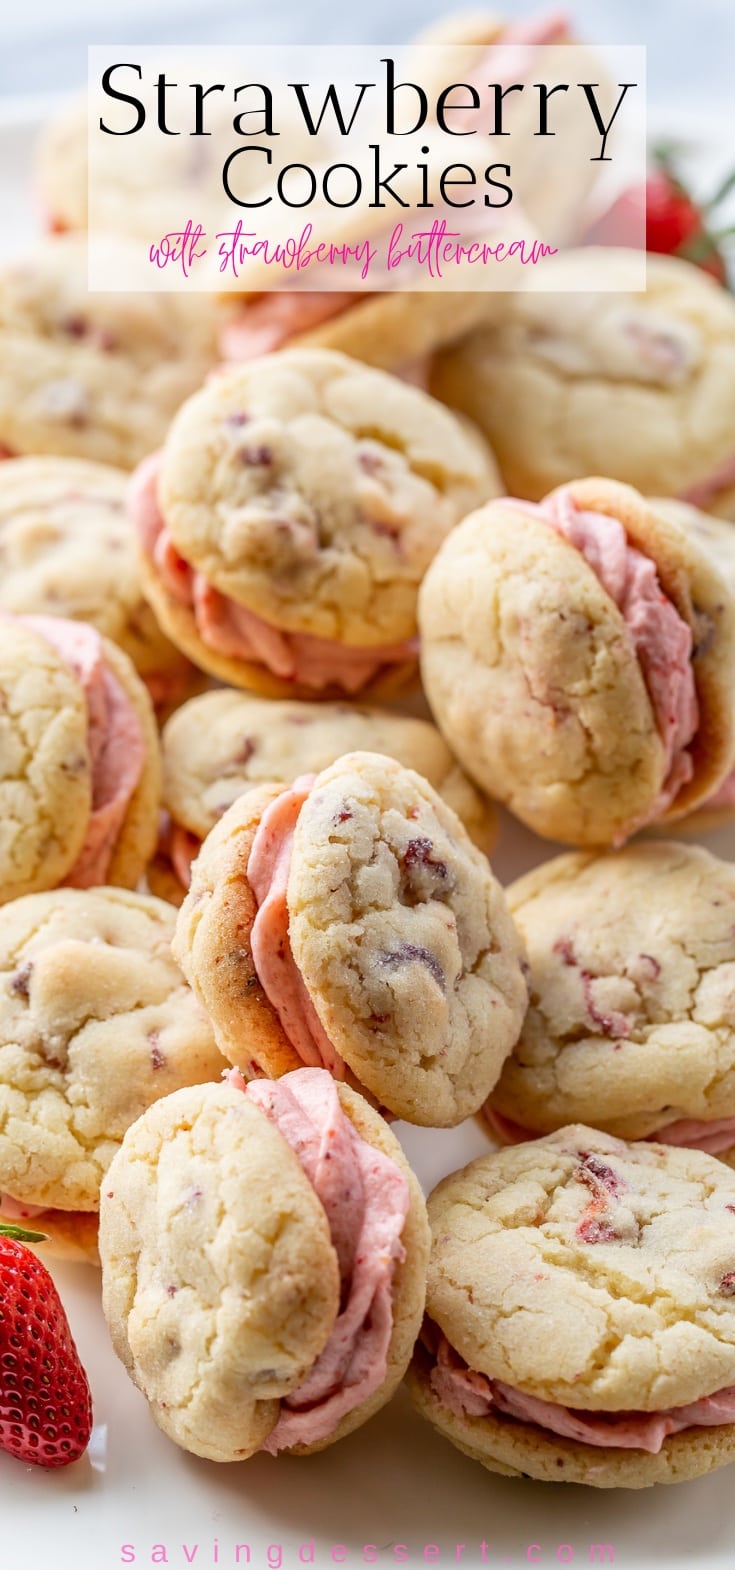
45, 1402
727, 1284
609, 1023
605, 1185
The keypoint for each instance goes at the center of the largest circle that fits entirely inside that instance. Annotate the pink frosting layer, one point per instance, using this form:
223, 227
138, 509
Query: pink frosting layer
661, 638
366, 1200
707, 490
714, 1136
16, 1210
115, 740
231, 629
267, 873
270, 321
469, 1394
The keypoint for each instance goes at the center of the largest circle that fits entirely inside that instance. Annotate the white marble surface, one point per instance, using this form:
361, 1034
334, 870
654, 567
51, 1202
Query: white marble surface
43, 42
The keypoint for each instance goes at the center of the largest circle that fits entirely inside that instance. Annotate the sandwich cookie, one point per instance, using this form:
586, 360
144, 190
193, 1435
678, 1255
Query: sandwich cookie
222, 744
96, 1023
291, 517
67, 550
263, 1263
580, 1312
95, 376
578, 656
631, 1020
81, 775
640, 387
347, 921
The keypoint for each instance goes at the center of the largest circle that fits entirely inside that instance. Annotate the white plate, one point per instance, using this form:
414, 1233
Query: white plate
394, 1482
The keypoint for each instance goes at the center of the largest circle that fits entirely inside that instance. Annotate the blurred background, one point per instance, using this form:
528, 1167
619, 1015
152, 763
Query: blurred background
691, 42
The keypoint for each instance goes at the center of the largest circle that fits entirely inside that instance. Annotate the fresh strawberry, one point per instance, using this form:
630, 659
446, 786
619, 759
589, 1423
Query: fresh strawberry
45, 1404
672, 218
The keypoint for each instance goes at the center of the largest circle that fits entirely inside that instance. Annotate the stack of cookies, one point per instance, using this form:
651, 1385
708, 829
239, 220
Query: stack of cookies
274, 645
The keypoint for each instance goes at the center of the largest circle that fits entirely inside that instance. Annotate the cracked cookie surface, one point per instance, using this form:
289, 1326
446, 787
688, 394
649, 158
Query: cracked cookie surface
397, 927
315, 491
220, 1277
223, 743
631, 1020
639, 387
46, 778
595, 1275
96, 1022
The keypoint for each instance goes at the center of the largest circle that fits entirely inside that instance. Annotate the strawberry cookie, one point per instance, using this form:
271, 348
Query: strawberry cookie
639, 387
291, 517
66, 550
96, 1023
223, 743
580, 1314
95, 376
631, 1021
579, 658
81, 776
347, 921
263, 1263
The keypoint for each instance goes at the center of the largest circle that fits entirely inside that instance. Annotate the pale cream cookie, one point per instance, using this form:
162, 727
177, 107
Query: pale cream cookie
640, 387
348, 921
297, 504
631, 1021
96, 1023
97, 376
264, 1262
581, 1312
223, 743
66, 549
80, 779
578, 657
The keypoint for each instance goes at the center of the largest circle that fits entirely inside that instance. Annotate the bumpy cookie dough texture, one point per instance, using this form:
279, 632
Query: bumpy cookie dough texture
45, 772
315, 492
96, 1022
67, 550
223, 743
533, 678
95, 376
640, 387
631, 1021
397, 925
220, 1280
591, 1274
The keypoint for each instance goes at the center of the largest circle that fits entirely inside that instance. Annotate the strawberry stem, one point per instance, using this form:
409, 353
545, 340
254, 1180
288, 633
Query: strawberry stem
21, 1234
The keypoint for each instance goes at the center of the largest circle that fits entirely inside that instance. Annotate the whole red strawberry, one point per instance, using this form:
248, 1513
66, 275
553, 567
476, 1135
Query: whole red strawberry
45, 1404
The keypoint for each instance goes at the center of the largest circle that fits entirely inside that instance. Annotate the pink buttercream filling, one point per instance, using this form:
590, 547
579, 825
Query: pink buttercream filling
231, 629
469, 1394
714, 1136
707, 490
115, 740
366, 1199
16, 1210
268, 867
269, 321
661, 638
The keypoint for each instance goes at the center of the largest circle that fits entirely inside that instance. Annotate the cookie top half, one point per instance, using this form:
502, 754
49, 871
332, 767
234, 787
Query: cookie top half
588, 1272
408, 969
631, 1021
314, 491
639, 387
96, 1022
544, 669
223, 743
87, 375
